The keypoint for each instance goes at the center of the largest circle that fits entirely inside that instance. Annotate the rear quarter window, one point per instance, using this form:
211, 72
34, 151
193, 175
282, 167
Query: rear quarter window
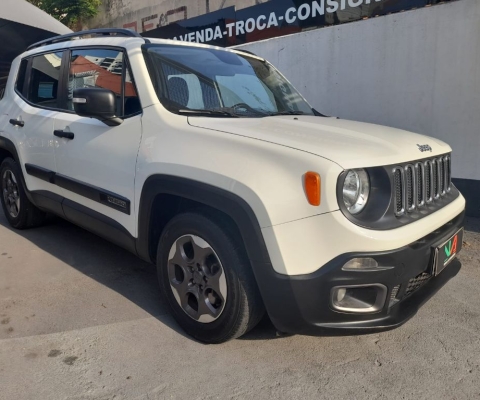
22, 73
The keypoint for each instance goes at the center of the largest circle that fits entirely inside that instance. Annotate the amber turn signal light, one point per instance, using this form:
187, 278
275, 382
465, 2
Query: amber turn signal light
312, 187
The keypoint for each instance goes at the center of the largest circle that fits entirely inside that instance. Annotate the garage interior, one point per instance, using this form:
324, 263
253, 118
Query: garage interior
22, 24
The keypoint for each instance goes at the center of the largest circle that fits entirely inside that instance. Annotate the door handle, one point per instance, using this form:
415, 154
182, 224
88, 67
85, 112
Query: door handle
16, 122
63, 134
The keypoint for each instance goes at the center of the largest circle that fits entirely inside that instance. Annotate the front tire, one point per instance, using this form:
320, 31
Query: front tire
206, 278
18, 209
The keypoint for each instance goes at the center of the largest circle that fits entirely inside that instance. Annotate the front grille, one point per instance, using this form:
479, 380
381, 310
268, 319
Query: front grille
421, 184
416, 283
412, 286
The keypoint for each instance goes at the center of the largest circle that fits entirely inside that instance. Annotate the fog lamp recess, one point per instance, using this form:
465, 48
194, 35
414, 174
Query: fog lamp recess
359, 298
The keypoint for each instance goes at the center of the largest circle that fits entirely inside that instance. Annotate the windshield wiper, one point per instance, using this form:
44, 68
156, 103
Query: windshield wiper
286, 113
199, 112
249, 110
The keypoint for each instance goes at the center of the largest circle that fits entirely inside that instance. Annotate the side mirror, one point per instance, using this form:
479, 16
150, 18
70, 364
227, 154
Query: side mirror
96, 103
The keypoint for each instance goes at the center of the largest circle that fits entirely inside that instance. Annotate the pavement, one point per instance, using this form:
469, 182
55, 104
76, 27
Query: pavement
83, 319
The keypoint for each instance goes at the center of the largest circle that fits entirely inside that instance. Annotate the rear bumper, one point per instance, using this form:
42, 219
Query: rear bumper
302, 303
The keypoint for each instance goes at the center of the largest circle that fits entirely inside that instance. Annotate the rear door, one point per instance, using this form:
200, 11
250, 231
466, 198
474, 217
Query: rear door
96, 168
31, 118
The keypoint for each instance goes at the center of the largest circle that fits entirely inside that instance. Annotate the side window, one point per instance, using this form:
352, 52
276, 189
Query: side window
45, 73
102, 68
22, 72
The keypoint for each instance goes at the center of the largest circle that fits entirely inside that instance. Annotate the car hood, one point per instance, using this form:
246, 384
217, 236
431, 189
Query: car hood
349, 144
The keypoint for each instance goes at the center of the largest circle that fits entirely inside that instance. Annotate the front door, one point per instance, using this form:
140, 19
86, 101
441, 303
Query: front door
96, 165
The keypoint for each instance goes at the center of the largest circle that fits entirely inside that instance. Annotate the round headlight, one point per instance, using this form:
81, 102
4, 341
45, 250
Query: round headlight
356, 189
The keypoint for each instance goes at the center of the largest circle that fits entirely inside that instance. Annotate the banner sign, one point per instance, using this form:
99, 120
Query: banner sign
228, 27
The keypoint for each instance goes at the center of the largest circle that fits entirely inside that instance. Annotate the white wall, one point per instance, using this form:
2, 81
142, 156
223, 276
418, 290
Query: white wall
417, 70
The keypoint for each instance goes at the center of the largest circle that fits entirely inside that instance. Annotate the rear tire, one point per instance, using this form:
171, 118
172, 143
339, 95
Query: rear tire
18, 209
206, 278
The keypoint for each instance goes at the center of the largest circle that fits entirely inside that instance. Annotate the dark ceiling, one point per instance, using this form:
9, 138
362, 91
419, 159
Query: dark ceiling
14, 39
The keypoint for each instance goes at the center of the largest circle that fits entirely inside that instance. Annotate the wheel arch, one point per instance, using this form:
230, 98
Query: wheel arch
222, 201
164, 196
7, 149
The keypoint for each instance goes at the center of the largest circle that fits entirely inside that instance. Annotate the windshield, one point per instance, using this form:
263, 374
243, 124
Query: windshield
219, 83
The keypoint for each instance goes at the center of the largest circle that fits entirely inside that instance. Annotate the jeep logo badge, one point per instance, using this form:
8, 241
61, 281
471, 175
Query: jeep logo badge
424, 147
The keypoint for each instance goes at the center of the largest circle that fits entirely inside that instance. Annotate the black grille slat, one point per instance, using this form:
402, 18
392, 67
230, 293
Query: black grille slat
448, 172
398, 191
435, 179
420, 184
428, 181
410, 186
419, 177
441, 178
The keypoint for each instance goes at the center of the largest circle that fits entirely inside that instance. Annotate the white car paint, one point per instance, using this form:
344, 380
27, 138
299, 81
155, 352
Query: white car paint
101, 156
348, 143
268, 177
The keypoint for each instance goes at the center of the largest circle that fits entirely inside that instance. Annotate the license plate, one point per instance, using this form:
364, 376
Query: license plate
447, 252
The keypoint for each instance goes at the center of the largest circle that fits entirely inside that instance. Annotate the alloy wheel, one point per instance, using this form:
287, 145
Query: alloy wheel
197, 278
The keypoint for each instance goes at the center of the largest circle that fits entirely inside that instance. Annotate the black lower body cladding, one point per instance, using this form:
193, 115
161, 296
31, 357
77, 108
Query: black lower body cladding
303, 305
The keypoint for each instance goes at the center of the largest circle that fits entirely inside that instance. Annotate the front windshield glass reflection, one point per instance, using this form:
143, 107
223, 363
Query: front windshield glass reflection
213, 82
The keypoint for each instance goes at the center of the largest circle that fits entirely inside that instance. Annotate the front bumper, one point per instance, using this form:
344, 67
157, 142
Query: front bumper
302, 303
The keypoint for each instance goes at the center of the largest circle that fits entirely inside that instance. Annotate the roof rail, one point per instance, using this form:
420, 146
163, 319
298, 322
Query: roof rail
92, 32
246, 51
250, 53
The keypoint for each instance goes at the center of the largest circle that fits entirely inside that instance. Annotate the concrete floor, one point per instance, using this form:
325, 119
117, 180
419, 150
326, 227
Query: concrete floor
82, 319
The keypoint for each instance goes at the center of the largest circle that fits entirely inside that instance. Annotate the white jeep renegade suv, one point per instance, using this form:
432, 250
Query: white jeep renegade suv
208, 163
